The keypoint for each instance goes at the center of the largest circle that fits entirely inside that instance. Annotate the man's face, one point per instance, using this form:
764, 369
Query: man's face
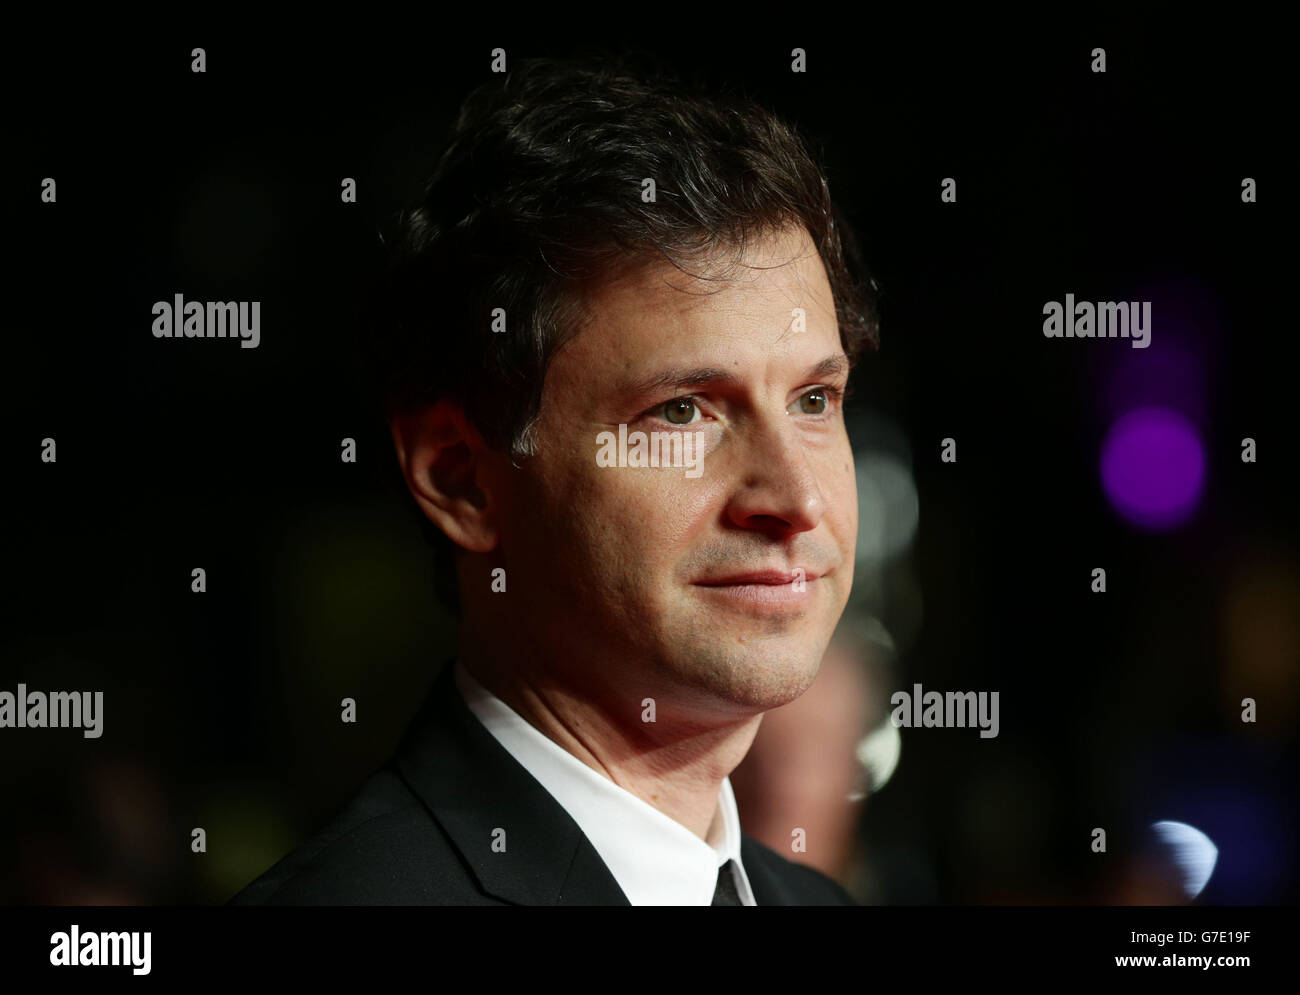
635, 577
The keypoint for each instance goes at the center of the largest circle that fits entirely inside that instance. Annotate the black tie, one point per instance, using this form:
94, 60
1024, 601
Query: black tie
725, 893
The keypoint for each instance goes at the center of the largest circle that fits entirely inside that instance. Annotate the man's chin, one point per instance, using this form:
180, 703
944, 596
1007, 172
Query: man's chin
756, 677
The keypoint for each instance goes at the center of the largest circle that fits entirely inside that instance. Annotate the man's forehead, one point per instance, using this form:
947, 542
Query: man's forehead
775, 267
776, 301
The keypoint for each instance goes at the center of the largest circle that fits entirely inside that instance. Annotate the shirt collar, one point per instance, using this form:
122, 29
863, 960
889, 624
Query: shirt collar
655, 859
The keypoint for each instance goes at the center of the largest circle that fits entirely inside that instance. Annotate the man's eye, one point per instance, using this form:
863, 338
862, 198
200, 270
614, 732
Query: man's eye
816, 401
679, 411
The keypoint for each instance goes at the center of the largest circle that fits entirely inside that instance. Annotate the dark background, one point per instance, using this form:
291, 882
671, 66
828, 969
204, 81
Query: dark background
222, 708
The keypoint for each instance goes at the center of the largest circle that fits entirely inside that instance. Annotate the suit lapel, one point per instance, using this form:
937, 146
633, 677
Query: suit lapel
479, 794
768, 887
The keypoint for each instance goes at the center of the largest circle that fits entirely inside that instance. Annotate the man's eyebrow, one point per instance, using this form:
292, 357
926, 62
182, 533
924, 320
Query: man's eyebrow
829, 368
677, 380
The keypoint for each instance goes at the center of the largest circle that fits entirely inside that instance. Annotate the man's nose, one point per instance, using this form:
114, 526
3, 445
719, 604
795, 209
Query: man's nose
777, 491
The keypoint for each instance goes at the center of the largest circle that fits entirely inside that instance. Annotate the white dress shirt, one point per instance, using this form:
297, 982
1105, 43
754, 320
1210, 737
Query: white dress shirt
655, 859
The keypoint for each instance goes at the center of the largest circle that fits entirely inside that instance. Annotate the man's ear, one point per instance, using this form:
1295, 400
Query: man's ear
443, 459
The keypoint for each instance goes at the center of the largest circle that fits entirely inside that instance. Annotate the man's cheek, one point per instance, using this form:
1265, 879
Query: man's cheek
633, 531
606, 529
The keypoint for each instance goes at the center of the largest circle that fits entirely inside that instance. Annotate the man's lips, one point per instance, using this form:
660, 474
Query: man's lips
763, 590
772, 578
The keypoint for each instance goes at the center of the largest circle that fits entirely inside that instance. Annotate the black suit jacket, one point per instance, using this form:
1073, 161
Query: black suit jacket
420, 832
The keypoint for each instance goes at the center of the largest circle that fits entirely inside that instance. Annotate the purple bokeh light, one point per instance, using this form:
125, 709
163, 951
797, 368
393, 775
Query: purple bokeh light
1153, 468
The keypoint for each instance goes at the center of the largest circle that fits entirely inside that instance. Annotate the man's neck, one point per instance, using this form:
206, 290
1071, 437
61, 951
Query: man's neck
675, 766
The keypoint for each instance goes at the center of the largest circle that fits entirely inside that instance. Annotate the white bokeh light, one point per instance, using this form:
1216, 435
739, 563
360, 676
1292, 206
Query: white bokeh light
1192, 853
888, 508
